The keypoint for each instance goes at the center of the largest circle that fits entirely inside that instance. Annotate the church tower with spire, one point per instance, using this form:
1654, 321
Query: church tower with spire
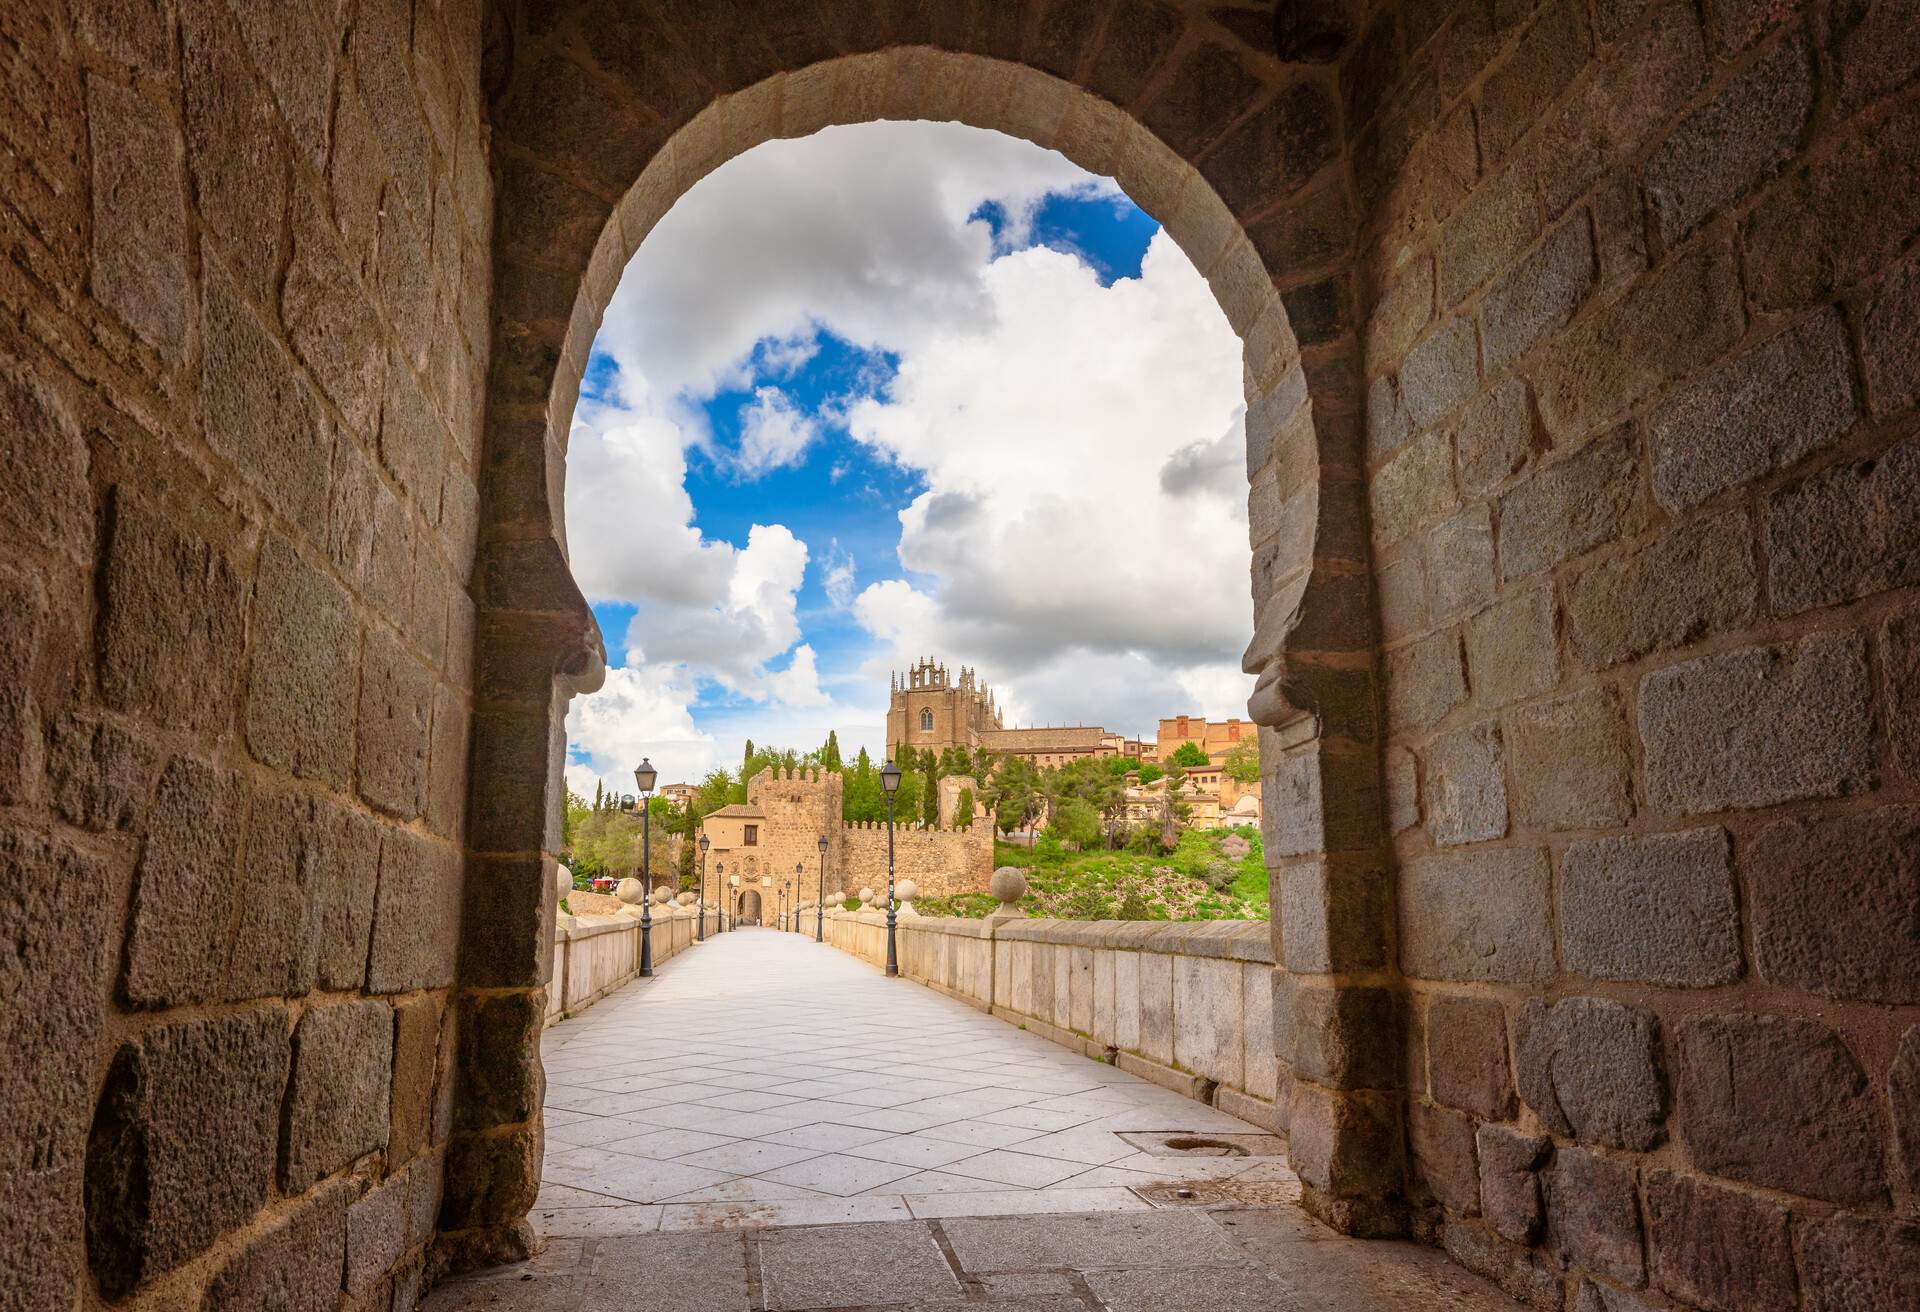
929, 708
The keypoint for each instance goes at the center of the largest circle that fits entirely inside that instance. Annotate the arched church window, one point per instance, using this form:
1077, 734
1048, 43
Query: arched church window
926, 721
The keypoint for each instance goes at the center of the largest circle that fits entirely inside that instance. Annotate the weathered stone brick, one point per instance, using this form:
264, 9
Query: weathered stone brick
499, 1071
1849, 532
177, 947
1903, 1090
1571, 762
1466, 786
139, 221
1833, 901
390, 564
1521, 1273
233, 147
1763, 410
1413, 488
1476, 916
1425, 680
1859, 1264
135, 33
416, 1048
1540, 293
1875, 46
1717, 1247
300, 693
1652, 909
295, 56
1401, 312
1492, 225
1403, 789
1562, 509
396, 706
1403, 601
45, 498
1555, 48
99, 775
1842, 218
337, 1103
447, 765
1696, 579
377, 1234
1440, 373
182, 1147
1617, 108
1757, 725
413, 444
1728, 146
1684, 315
1900, 658
1512, 648
1443, 1156
294, 1264
416, 922
1494, 437
276, 943
1467, 1056
330, 322
1891, 328
1460, 555
1593, 1215
1346, 1145
1510, 1165
1336, 913
1591, 1068
258, 412
24, 602
1779, 1102
55, 985
173, 622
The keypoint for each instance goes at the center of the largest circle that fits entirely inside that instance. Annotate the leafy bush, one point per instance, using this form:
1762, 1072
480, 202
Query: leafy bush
1220, 874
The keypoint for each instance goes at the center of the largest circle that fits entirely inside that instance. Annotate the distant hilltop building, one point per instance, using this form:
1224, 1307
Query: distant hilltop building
929, 710
1214, 737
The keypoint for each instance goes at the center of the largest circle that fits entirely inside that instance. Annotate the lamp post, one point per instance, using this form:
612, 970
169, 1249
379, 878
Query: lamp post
643, 775
700, 925
733, 920
820, 901
781, 914
799, 873
890, 784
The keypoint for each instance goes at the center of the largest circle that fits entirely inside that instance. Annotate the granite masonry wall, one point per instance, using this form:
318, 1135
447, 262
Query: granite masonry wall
1644, 480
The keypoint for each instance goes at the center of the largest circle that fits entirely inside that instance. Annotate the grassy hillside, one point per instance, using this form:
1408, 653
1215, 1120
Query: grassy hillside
1101, 885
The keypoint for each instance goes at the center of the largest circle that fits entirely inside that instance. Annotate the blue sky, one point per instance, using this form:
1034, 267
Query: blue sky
824, 428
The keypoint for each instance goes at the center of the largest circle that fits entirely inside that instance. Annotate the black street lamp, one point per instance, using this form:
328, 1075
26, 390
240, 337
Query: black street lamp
799, 873
700, 925
890, 784
781, 914
820, 901
643, 774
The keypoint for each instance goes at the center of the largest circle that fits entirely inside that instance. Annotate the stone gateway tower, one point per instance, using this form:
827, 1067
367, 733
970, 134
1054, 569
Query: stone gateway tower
1583, 459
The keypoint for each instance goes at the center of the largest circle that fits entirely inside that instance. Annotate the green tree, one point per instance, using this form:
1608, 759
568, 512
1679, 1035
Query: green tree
830, 754
963, 809
1243, 763
930, 799
1076, 821
1189, 754
1149, 772
747, 755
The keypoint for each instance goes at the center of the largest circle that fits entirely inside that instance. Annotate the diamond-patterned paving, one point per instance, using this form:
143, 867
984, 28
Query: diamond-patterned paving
772, 1126
763, 1079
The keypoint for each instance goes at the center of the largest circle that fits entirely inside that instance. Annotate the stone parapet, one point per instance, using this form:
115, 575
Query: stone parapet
1189, 1006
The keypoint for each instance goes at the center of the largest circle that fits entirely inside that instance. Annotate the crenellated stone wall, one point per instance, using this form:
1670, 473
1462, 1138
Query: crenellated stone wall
941, 861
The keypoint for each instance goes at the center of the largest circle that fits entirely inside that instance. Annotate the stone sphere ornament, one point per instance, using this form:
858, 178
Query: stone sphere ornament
906, 890
1008, 887
866, 897
562, 881
630, 891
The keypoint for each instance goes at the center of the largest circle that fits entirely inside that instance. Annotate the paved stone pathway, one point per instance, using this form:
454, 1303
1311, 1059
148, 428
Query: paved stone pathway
772, 1124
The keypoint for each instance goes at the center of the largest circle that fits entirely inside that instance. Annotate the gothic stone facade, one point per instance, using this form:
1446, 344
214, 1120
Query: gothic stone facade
1583, 447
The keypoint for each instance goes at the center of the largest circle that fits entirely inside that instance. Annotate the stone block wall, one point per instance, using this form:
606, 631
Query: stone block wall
941, 861
1643, 467
244, 327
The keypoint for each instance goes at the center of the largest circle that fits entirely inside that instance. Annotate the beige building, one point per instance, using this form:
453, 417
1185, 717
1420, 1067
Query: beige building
929, 710
1214, 737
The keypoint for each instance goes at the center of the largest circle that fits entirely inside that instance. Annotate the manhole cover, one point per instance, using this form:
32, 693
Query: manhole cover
1213, 1193
1185, 1143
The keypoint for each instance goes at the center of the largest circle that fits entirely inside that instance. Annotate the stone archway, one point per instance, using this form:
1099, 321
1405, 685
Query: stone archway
748, 912
603, 116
